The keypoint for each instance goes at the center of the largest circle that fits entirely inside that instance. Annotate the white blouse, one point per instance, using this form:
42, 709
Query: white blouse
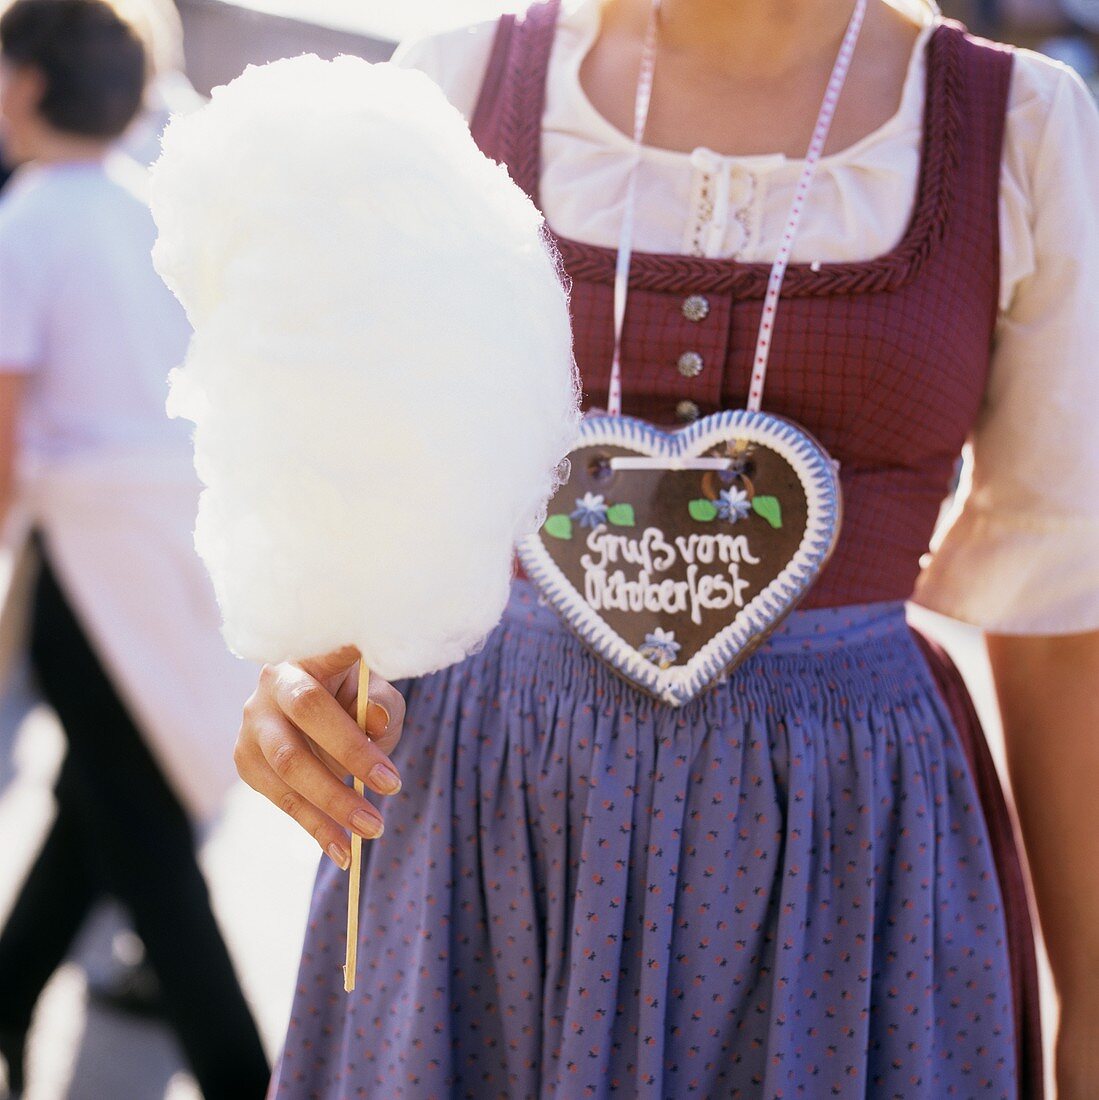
1020, 553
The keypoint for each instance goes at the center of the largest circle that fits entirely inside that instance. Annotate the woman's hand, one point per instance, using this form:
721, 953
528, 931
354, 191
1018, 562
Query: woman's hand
298, 743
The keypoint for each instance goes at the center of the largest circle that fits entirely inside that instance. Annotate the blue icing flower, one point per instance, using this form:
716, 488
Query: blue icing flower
660, 647
732, 504
591, 510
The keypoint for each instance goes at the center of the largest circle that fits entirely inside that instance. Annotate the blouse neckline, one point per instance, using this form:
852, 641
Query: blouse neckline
587, 20
939, 158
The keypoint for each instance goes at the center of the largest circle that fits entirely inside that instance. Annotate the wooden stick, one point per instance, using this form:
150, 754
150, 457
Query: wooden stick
355, 874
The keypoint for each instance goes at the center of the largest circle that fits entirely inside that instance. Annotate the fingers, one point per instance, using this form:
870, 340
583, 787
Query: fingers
275, 759
384, 714
326, 832
330, 762
316, 713
385, 711
385, 721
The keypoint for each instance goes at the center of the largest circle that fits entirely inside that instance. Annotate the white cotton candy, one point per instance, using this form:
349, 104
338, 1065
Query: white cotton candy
381, 375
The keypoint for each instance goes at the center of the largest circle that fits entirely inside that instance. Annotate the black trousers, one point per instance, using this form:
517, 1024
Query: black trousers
121, 831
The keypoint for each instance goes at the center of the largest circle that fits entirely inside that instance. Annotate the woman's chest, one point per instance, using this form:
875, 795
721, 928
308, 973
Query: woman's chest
882, 378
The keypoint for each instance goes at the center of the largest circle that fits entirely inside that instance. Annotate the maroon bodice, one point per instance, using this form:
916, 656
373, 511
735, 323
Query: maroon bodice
884, 361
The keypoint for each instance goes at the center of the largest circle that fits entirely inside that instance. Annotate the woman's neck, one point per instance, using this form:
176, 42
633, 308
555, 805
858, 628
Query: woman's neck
746, 77
768, 38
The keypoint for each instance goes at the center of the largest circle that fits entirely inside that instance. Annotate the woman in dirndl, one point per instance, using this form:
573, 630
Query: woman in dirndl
804, 882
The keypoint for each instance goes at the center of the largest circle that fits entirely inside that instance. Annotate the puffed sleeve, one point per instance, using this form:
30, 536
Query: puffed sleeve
1020, 553
456, 60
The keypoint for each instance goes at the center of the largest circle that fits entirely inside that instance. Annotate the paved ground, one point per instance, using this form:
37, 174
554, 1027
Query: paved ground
260, 869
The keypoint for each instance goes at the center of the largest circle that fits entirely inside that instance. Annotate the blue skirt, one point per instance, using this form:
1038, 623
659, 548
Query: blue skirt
784, 889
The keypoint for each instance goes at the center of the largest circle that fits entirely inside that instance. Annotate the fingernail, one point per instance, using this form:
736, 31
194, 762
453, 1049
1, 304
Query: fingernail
384, 779
366, 825
340, 857
384, 713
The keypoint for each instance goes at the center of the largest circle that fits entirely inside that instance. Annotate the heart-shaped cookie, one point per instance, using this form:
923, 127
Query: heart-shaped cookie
673, 555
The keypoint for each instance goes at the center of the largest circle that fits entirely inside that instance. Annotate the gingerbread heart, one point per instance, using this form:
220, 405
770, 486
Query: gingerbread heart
674, 554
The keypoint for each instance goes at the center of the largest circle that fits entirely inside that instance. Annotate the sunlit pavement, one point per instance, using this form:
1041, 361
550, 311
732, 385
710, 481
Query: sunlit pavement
260, 868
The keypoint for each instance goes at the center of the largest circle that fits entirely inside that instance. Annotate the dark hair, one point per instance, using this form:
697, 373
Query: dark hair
92, 60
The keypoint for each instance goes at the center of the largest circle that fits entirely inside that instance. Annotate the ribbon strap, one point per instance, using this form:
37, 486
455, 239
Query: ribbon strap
625, 235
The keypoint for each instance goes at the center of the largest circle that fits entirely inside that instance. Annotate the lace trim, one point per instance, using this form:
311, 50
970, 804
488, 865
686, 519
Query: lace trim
720, 191
702, 205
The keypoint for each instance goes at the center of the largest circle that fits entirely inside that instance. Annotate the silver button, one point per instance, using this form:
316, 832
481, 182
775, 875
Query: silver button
690, 364
687, 411
696, 307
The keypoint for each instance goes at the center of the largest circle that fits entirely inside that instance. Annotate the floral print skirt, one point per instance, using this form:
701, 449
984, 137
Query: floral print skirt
784, 889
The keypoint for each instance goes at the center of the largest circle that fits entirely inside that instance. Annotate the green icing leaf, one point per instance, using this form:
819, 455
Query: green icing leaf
620, 515
558, 526
702, 510
769, 508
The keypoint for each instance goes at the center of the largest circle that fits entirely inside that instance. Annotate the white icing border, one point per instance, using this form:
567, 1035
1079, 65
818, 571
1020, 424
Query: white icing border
820, 481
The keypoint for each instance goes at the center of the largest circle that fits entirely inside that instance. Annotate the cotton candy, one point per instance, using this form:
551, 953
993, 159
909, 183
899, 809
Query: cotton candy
381, 375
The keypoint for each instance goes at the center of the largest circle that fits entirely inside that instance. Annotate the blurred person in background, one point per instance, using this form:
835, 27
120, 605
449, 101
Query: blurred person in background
168, 91
123, 631
119, 976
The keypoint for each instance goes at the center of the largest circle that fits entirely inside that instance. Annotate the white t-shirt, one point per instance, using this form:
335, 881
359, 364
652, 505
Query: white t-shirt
83, 313
107, 476
1022, 555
